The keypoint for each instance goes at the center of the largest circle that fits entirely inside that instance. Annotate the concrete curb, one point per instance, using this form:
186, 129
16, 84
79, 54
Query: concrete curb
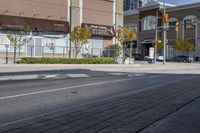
36, 71
100, 67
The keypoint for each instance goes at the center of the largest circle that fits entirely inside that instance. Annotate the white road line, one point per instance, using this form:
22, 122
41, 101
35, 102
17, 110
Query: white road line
50, 76
104, 99
78, 75
60, 89
118, 74
136, 75
18, 77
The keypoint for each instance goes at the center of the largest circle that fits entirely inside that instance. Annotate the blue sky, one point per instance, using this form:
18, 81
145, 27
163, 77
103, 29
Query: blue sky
181, 2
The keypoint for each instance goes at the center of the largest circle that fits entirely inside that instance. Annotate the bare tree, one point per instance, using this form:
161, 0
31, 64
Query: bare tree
17, 39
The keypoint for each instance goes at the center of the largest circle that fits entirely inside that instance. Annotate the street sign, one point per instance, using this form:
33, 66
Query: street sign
151, 53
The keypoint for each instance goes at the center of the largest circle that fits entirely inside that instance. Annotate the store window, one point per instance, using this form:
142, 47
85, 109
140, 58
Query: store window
149, 23
190, 22
172, 23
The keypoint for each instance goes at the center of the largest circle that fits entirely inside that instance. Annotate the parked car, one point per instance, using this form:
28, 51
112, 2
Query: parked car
137, 56
160, 58
183, 58
146, 58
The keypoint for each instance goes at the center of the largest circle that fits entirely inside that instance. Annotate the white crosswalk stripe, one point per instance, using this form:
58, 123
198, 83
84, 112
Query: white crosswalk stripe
18, 77
41, 76
50, 76
78, 75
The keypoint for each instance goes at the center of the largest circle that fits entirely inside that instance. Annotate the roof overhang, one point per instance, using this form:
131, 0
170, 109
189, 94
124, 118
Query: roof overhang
183, 7
33, 24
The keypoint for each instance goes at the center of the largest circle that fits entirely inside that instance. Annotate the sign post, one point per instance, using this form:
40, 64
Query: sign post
6, 46
151, 54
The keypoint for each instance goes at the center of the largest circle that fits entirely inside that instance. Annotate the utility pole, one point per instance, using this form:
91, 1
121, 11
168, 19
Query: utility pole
115, 20
70, 29
164, 35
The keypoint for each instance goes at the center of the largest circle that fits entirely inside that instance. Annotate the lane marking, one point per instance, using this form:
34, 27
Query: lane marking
95, 101
136, 75
50, 76
66, 88
118, 74
78, 75
18, 77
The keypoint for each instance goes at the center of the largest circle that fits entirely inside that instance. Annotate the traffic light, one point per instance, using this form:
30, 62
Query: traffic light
177, 26
159, 41
165, 18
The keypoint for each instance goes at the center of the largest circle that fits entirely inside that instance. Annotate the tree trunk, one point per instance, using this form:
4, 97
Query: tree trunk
77, 51
123, 58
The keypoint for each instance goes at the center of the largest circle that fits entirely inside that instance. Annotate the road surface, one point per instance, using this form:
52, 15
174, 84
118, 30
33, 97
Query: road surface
108, 103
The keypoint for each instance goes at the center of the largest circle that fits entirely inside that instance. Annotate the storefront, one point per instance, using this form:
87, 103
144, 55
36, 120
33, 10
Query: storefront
44, 36
102, 36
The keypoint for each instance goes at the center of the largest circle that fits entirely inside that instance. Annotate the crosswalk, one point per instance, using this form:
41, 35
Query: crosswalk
128, 74
42, 76
61, 76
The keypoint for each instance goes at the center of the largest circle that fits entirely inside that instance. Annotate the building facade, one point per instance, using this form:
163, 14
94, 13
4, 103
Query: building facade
135, 4
149, 17
50, 22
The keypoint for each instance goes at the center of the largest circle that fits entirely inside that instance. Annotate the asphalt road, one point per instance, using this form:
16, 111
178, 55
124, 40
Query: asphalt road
24, 100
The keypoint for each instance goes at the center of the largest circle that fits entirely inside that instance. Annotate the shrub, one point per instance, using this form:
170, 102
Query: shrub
112, 51
31, 60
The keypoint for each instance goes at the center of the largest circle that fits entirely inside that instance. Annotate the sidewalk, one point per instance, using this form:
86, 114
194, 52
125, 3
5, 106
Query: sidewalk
186, 120
99, 67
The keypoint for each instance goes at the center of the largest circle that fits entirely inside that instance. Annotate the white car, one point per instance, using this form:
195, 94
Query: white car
146, 58
160, 58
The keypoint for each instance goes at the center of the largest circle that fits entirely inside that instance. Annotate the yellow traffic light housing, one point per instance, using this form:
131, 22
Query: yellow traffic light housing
159, 41
165, 18
177, 26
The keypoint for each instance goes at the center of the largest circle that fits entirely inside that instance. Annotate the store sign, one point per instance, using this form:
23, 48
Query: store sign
148, 41
100, 30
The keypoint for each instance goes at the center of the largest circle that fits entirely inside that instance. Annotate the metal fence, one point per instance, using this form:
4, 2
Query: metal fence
7, 52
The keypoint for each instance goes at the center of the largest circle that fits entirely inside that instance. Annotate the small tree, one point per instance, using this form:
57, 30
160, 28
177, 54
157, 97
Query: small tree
182, 45
79, 37
159, 45
125, 35
113, 50
17, 39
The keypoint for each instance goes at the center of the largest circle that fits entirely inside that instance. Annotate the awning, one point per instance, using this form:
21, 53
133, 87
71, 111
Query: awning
100, 30
33, 24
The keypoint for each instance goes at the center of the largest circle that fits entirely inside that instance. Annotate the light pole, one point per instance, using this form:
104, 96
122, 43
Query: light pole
70, 29
164, 35
115, 23
156, 39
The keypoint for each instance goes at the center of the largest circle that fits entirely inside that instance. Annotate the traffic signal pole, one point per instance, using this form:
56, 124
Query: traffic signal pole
156, 39
164, 36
